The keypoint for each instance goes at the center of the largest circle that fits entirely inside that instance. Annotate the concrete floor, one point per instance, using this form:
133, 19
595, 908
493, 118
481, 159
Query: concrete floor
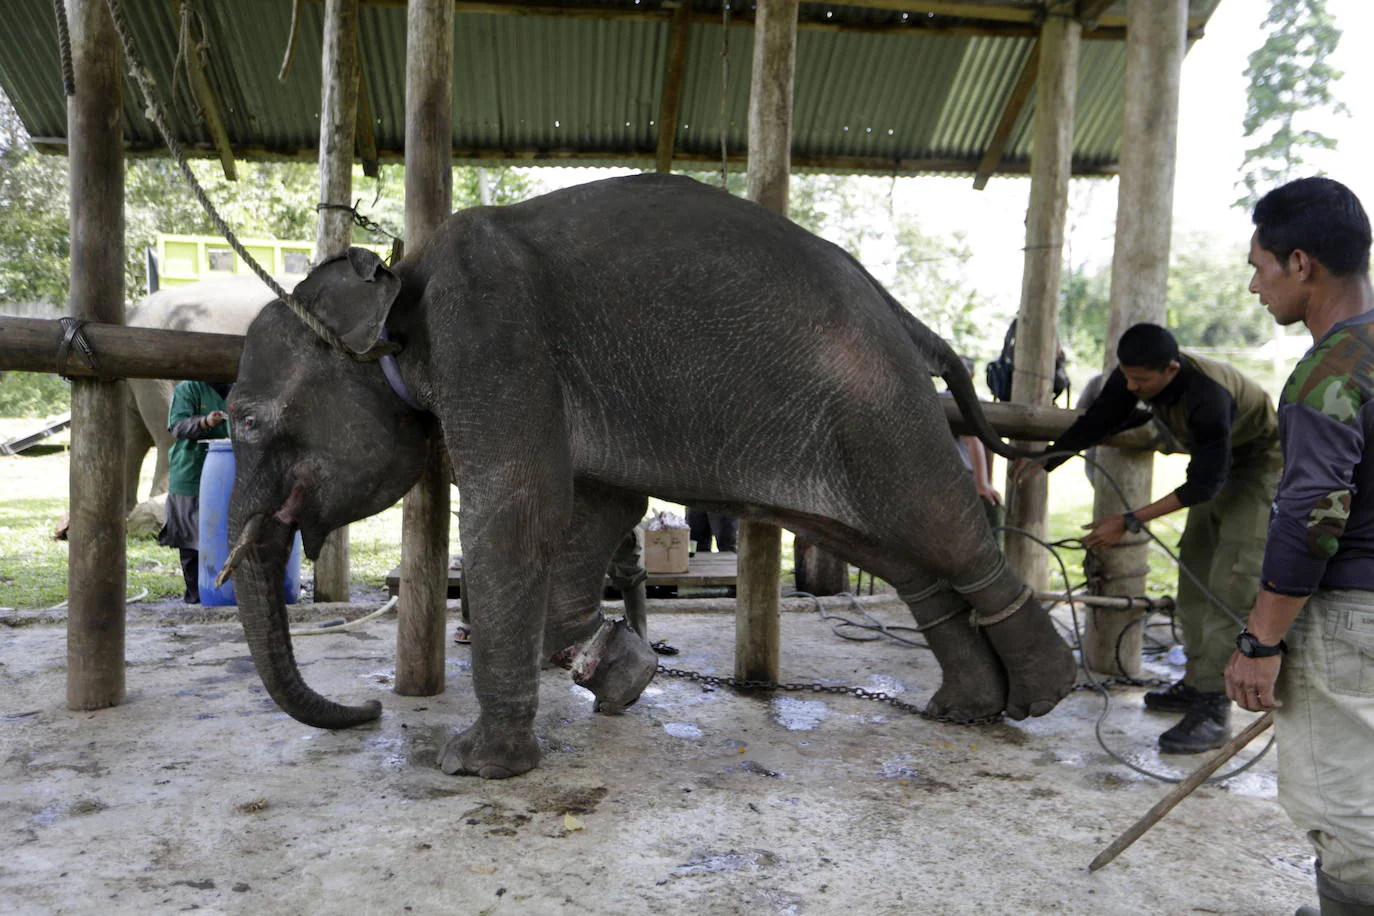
199, 793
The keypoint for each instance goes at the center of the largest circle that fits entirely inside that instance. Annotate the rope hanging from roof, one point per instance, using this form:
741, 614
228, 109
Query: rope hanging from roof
157, 116
290, 41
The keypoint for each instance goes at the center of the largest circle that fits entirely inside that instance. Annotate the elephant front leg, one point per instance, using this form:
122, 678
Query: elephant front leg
509, 583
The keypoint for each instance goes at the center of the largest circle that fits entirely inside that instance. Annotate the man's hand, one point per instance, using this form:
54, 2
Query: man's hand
1250, 681
1105, 532
1025, 468
989, 492
215, 418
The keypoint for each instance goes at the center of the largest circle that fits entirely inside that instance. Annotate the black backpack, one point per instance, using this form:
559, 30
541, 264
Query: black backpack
999, 370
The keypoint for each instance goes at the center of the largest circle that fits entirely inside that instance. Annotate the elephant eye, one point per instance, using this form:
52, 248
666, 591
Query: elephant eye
248, 422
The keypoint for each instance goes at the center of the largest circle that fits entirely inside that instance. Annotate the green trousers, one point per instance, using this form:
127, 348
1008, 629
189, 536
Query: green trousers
1223, 545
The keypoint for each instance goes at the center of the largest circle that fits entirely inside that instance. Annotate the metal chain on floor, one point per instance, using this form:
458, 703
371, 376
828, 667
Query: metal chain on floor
877, 696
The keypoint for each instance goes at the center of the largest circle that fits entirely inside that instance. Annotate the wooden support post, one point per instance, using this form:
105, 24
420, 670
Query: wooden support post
334, 232
1155, 44
758, 591
674, 71
1036, 337
96, 565
429, 199
208, 101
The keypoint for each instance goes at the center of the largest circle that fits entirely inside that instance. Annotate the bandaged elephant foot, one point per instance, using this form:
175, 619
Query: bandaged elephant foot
491, 752
615, 665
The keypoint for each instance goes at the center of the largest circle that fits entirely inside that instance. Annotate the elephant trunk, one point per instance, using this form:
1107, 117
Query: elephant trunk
258, 582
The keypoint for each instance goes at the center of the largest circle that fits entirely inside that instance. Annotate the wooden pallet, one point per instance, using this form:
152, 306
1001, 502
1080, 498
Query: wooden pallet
705, 570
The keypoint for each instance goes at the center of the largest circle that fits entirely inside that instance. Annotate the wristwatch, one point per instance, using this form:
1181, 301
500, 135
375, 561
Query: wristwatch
1133, 524
1250, 647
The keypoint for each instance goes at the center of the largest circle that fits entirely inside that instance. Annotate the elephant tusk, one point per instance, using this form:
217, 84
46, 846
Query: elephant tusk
246, 539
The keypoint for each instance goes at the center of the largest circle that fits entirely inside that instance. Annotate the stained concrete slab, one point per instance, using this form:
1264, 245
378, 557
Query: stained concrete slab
197, 793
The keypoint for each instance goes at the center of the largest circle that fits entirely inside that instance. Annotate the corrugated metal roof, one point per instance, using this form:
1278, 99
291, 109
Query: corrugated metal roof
877, 90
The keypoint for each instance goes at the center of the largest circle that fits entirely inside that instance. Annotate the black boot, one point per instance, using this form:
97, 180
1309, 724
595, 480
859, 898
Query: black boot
190, 572
1205, 726
1177, 697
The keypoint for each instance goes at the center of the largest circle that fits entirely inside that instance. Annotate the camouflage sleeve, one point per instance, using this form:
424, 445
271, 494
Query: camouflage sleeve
1323, 441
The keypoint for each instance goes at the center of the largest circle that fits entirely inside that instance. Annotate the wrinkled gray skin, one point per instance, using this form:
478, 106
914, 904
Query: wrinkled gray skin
224, 305
582, 350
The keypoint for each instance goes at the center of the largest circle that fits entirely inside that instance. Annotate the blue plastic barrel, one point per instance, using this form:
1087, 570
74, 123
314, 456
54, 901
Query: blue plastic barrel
216, 486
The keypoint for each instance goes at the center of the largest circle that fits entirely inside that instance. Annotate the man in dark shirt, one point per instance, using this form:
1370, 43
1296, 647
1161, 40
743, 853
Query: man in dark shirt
197, 413
1310, 252
1227, 423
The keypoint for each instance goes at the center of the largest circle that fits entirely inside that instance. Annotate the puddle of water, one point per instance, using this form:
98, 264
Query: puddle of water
900, 768
798, 715
884, 684
1253, 785
707, 863
1298, 864
682, 730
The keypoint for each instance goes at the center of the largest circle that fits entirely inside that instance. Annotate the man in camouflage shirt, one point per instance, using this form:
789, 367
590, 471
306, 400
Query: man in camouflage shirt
1307, 652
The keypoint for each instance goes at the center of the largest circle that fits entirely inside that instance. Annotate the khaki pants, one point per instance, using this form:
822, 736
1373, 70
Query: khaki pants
1326, 738
1223, 544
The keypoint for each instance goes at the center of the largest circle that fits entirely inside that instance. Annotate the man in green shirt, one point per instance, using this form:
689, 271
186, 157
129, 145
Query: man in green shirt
197, 412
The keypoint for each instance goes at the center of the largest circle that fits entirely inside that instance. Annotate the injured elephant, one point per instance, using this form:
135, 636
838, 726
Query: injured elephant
579, 351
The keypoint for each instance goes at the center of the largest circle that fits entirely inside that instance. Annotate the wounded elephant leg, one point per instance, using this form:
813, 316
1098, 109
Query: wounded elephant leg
974, 685
610, 659
1039, 664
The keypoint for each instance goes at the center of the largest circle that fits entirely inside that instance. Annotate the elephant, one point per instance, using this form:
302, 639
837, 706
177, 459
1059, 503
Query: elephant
225, 305
577, 352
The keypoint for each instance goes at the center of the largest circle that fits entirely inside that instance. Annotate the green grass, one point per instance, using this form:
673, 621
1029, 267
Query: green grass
33, 567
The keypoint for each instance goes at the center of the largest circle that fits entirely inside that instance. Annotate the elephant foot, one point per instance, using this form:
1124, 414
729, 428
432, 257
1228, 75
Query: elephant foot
1040, 666
484, 752
615, 665
968, 701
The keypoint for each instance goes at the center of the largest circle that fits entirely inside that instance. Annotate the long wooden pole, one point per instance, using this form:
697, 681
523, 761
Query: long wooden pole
429, 198
96, 568
1140, 282
758, 589
1056, 86
1182, 791
334, 232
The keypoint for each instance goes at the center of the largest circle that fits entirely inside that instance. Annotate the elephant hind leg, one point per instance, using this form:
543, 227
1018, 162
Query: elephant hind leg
613, 661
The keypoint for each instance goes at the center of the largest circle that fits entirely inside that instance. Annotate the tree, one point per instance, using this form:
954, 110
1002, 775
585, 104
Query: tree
1289, 75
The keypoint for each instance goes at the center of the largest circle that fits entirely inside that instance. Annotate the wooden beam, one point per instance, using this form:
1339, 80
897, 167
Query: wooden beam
366, 128
97, 560
208, 101
1001, 135
30, 345
429, 199
674, 70
1009, 24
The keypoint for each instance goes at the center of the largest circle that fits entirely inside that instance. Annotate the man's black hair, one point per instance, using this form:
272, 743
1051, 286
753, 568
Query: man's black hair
1319, 216
1147, 346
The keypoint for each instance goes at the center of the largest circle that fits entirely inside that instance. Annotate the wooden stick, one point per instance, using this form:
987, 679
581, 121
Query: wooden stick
1182, 791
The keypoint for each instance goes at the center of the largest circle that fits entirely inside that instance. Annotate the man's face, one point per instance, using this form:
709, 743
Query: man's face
1146, 384
1280, 289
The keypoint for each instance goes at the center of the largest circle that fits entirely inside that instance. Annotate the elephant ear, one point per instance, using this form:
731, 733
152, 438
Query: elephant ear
351, 293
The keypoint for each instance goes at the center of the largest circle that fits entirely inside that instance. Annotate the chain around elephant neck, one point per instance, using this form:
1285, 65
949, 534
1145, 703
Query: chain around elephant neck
877, 696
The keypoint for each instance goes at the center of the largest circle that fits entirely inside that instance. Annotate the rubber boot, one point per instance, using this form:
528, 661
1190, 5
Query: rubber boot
1177, 697
1204, 727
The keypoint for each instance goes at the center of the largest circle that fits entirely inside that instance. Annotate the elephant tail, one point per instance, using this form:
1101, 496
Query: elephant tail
940, 357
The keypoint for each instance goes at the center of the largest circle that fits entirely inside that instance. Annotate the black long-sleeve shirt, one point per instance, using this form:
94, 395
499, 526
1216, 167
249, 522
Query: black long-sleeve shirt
1210, 411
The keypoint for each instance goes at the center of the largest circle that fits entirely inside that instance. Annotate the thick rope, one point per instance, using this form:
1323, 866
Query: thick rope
290, 41
156, 115
724, 91
1016, 604
64, 47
